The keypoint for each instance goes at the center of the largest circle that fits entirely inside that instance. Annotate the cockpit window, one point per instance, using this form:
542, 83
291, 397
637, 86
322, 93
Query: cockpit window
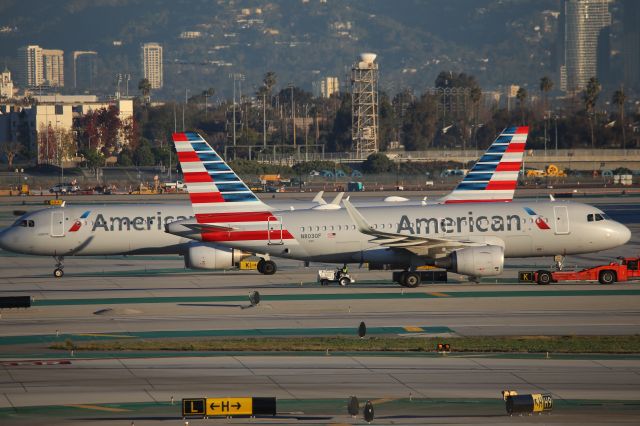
596, 217
25, 223
31, 223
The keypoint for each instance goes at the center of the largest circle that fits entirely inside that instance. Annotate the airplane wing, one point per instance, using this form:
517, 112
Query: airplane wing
419, 245
204, 227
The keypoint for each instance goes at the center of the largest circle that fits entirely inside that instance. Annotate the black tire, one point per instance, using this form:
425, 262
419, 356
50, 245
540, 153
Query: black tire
260, 265
344, 281
411, 279
269, 267
607, 277
324, 282
544, 278
401, 278
58, 273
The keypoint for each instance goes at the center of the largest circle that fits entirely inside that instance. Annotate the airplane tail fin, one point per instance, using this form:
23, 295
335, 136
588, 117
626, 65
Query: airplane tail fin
211, 183
494, 177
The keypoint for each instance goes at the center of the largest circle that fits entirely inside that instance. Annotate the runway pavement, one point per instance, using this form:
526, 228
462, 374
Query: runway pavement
154, 296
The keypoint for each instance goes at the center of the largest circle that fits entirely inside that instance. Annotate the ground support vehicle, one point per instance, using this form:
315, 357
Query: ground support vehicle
625, 269
326, 276
414, 278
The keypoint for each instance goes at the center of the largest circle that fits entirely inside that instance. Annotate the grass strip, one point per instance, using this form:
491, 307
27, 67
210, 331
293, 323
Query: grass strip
521, 344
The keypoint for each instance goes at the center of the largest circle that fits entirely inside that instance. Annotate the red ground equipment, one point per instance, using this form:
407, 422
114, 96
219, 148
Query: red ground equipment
625, 269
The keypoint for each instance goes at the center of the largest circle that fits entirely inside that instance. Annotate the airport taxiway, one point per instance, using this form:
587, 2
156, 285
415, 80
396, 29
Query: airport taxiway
154, 296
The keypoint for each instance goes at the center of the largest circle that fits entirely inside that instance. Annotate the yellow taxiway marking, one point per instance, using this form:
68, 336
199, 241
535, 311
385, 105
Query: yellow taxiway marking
382, 400
98, 408
436, 294
414, 329
103, 335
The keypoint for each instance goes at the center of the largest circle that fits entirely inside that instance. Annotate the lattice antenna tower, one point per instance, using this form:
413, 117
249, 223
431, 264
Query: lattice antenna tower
364, 109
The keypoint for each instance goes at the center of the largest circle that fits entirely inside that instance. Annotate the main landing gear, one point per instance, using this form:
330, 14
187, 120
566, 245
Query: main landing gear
58, 272
267, 267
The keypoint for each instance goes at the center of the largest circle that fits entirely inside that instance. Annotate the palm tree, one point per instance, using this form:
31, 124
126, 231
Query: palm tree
521, 96
619, 98
590, 97
546, 84
144, 86
269, 81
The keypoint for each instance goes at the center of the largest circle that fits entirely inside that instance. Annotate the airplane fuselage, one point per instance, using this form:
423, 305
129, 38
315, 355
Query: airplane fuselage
86, 230
524, 229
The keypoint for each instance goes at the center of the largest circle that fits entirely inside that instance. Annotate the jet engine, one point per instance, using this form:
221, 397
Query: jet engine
201, 256
474, 261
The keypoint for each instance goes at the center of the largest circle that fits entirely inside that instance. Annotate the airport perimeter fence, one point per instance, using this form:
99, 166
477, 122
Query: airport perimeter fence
126, 180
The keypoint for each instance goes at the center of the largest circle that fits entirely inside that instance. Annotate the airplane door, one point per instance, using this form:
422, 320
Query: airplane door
274, 230
57, 224
561, 220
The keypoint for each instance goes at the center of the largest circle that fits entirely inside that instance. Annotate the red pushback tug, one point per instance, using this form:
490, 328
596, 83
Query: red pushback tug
625, 269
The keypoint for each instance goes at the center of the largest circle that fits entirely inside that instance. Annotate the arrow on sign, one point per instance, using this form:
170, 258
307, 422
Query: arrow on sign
237, 406
213, 406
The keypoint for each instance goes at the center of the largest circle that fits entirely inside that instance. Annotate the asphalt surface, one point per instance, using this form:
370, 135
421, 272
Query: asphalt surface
102, 298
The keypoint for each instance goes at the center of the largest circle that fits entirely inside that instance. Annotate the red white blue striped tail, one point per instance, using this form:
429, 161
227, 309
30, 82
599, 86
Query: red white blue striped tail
221, 199
495, 176
211, 183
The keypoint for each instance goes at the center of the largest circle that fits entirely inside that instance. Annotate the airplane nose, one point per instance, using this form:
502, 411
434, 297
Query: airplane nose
3, 239
624, 234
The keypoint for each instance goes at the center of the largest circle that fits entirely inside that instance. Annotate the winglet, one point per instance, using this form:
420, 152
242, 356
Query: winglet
357, 218
337, 199
318, 198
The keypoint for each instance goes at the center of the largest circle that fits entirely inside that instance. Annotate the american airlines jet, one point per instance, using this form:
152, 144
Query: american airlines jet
464, 236
131, 229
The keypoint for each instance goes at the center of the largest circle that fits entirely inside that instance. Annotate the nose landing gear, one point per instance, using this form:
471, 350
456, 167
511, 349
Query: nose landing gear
58, 272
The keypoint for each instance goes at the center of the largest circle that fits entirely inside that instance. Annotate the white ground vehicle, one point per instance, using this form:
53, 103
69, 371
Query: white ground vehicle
178, 185
325, 276
64, 188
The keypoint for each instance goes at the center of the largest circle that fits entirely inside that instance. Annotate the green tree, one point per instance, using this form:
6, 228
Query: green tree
93, 159
269, 81
619, 99
546, 84
377, 163
521, 96
420, 123
143, 155
590, 97
125, 158
144, 86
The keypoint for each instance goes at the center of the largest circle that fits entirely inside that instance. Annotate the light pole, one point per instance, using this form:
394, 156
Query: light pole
235, 77
293, 116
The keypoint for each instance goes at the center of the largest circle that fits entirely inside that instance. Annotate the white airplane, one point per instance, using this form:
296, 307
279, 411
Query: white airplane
468, 235
131, 229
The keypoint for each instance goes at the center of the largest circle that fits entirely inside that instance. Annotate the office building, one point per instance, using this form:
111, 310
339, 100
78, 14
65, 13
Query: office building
85, 69
53, 67
31, 73
631, 44
152, 64
329, 86
6, 85
585, 22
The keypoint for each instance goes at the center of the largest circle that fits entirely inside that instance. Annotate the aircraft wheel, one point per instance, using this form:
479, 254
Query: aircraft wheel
58, 273
411, 279
607, 277
269, 267
260, 266
544, 277
344, 281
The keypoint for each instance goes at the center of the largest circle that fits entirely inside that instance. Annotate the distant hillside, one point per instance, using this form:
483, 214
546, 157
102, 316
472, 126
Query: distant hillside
498, 41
